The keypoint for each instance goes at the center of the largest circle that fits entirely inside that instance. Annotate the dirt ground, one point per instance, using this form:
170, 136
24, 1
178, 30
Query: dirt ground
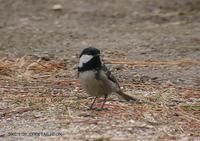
152, 47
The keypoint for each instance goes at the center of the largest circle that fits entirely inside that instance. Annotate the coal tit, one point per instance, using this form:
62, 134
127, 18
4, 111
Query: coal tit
95, 77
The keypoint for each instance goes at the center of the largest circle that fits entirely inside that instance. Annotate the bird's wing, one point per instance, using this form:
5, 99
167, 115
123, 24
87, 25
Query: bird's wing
114, 80
109, 75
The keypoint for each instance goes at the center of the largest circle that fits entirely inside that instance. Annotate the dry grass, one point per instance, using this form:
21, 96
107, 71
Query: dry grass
34, 87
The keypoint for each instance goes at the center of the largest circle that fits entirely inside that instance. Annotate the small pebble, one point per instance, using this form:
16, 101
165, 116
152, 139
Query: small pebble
57, 7
76, 89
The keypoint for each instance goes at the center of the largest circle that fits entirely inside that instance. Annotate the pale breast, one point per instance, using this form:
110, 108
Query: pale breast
93, 86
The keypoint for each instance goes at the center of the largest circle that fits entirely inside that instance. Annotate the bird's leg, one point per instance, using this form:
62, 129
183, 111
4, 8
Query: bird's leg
104, 101
91, 106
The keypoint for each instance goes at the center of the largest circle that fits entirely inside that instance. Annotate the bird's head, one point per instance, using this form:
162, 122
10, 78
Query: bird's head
89, 59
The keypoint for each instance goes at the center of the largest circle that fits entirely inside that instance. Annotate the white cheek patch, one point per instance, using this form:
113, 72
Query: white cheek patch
84, 59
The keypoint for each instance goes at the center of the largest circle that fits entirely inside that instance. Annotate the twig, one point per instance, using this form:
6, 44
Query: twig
22, 110
150, 63
72, 81
69, 112
38, 62
186, 115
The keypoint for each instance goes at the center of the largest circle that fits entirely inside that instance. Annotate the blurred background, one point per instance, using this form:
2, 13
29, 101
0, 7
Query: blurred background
160, 28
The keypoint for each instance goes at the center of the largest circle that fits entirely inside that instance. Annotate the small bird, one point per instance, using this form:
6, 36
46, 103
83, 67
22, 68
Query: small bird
95, 77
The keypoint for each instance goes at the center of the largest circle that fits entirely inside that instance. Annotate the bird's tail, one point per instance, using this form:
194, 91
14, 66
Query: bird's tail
125, 96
